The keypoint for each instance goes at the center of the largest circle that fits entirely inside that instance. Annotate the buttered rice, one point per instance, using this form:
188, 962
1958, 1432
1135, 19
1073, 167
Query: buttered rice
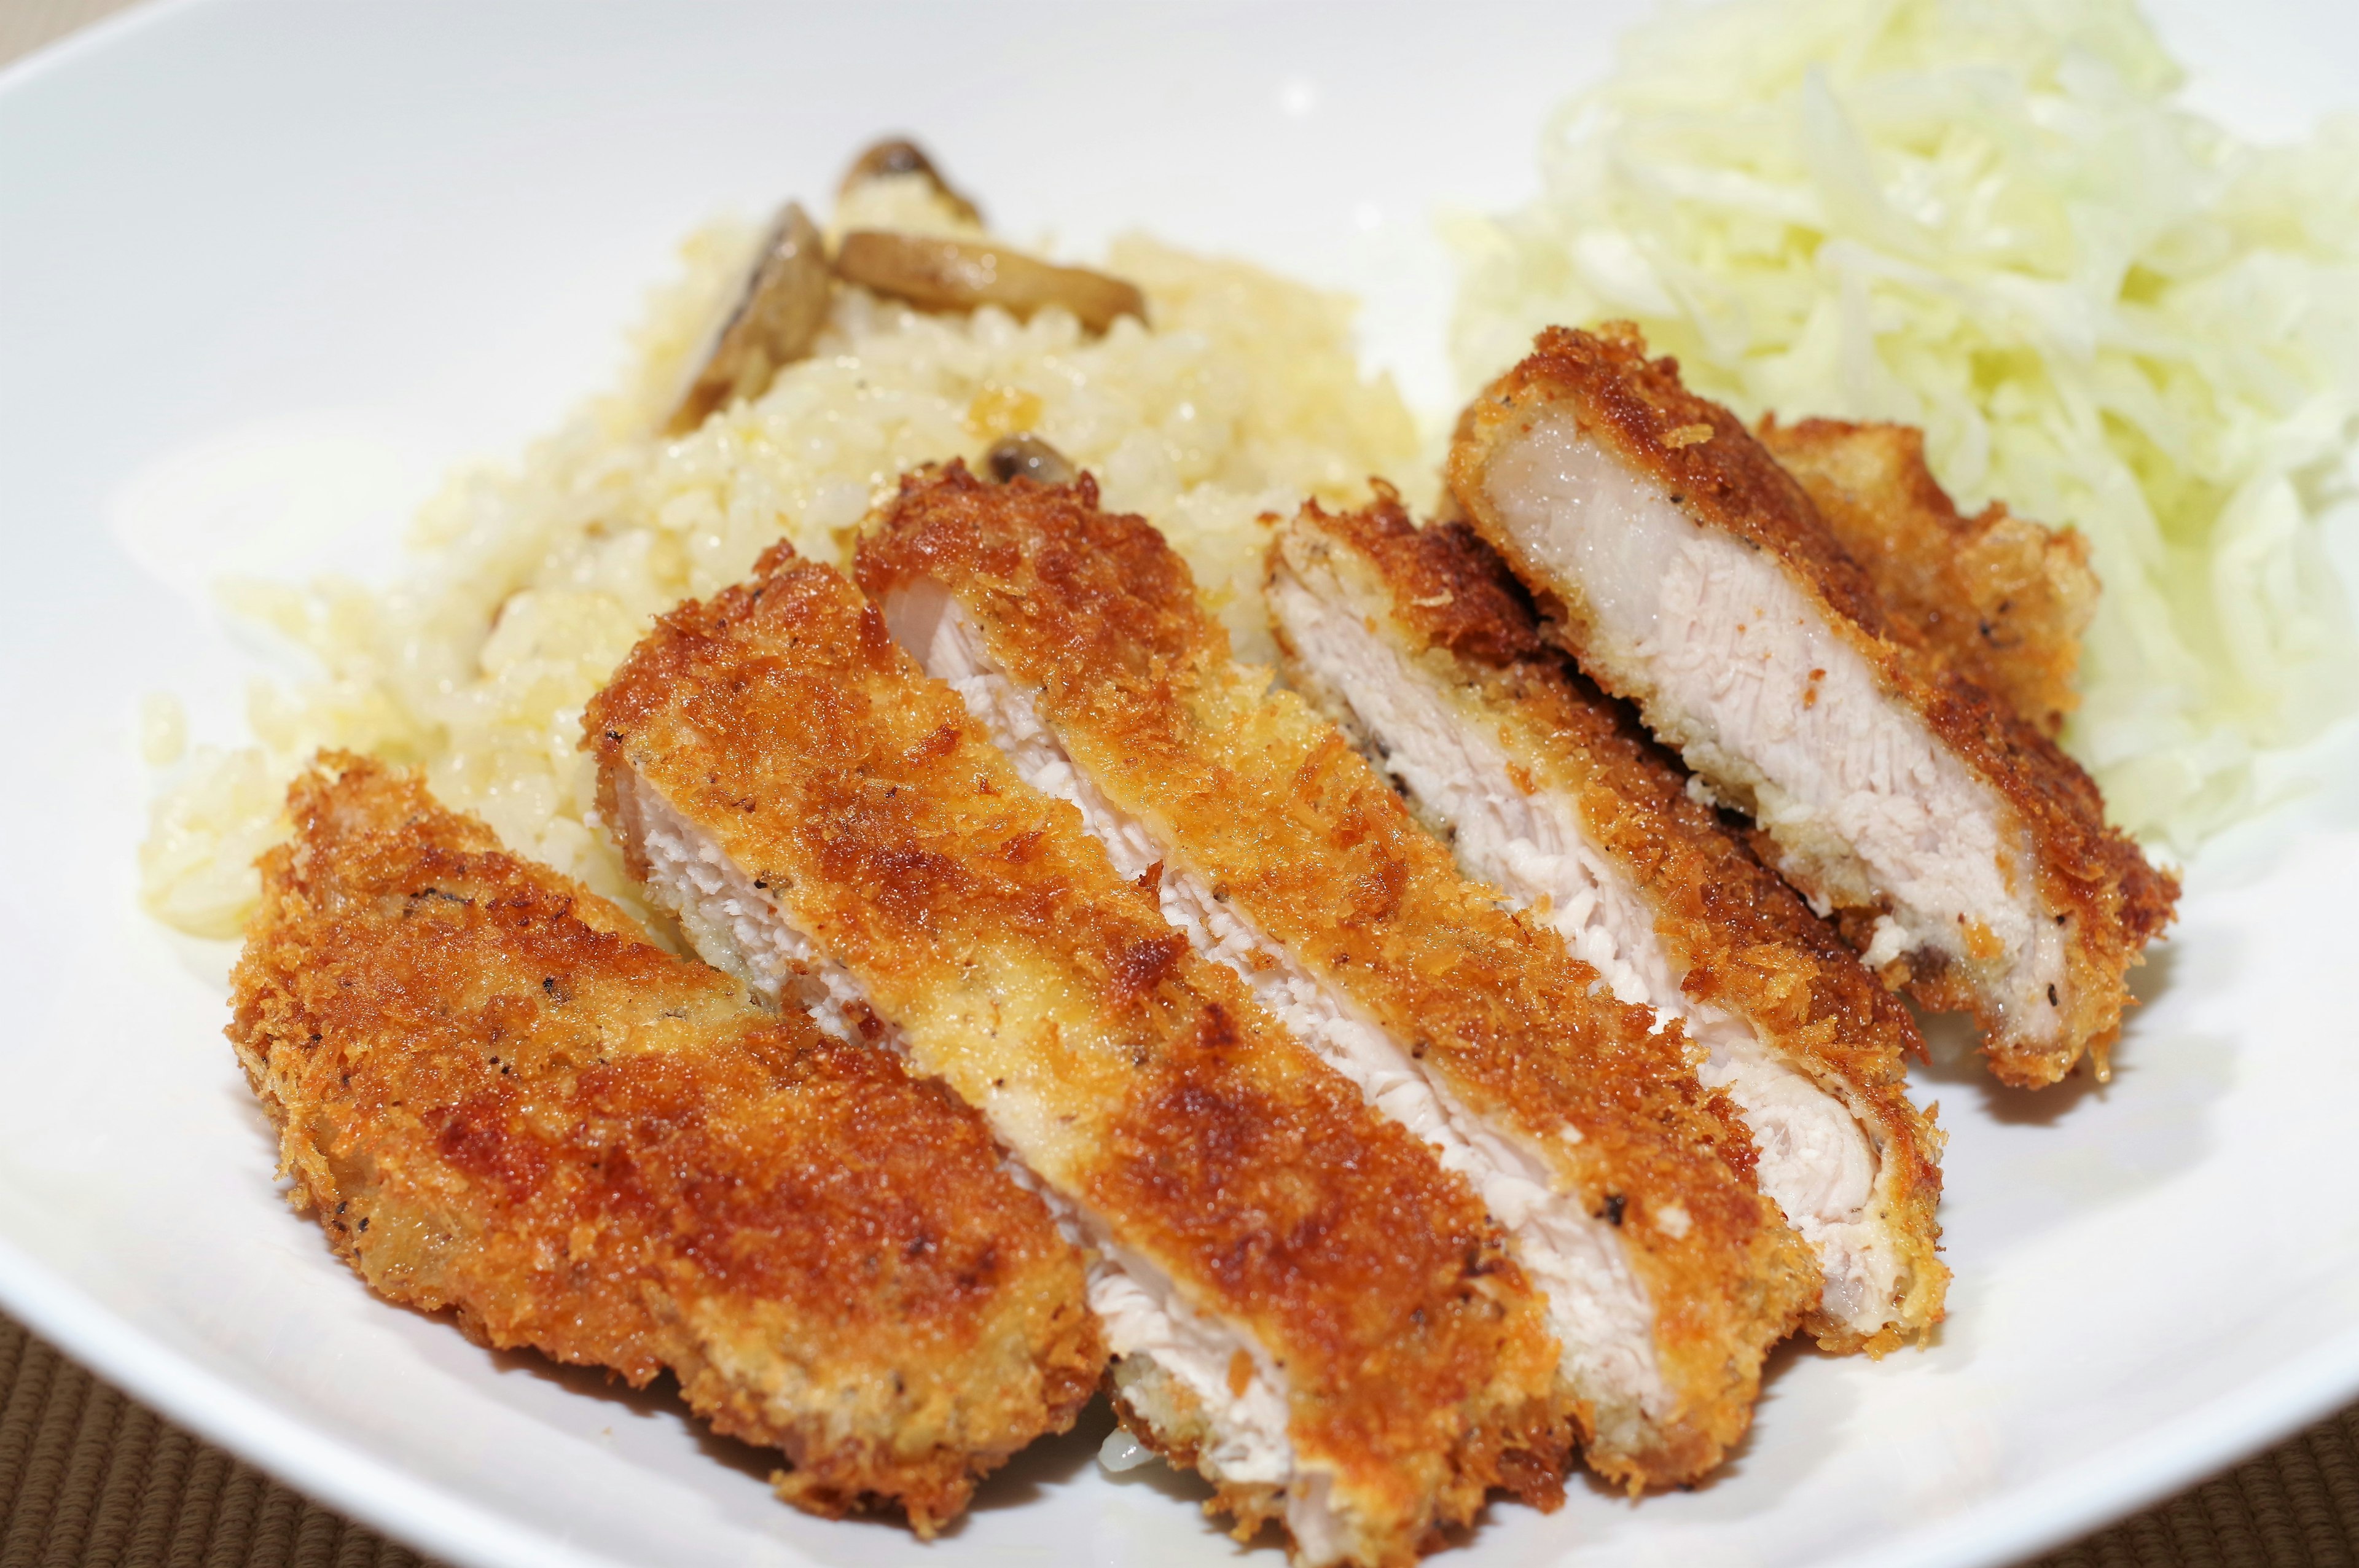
532, 580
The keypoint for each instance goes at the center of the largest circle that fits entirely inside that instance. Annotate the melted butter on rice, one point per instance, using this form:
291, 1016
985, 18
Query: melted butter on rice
533, 579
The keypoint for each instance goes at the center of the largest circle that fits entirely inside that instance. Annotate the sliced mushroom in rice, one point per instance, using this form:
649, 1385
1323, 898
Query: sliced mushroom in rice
1026, 455
937, 274
775, 320
898, 155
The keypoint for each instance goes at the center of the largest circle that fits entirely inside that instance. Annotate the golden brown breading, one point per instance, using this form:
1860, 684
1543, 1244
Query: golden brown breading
1252, 793
498, 1096
2104, 898
2002, 599
1737, 938
1141, 1083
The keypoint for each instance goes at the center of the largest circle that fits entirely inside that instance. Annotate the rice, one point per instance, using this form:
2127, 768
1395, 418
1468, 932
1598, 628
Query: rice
533, 579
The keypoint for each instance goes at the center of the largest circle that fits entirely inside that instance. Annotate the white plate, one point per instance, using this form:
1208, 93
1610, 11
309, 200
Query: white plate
267, 269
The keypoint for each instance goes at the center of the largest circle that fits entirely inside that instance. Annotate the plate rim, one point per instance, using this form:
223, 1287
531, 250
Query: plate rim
91, 37
2199, 1444
325, 1468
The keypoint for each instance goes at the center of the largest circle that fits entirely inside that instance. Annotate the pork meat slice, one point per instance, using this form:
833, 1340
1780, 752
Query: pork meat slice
1076, 637
500, 1098
1953, 843
1420, 644
2000, 598
1281, 1274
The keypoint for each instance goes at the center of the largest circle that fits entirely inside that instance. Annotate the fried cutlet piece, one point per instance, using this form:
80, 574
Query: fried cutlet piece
2002, 599
1304, 1305
499, 1097
1421, 645
1954, 844
1077, 636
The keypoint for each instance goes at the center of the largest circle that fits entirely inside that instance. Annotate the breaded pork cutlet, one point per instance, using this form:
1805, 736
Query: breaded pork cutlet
498, 1096
1076, 637
1954, 844
2002, 599
1304, 1305
1421, 645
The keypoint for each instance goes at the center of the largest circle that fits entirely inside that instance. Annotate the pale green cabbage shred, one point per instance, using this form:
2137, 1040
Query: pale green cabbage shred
1991, 218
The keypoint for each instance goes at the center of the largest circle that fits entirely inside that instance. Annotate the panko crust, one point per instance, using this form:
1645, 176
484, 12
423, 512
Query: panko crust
1748, 944
499, 1097
2092, 875
1144, 1083
1999, 599
1098, 616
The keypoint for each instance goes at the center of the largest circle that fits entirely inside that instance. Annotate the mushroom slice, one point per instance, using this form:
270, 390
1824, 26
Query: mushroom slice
1026, 455
776, 317
937, 274
898, 155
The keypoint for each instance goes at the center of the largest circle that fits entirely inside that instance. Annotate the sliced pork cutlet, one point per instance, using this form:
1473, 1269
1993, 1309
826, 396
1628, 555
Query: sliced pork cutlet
1075, 635
1421, 647
1953, 843
1304, 1305
2002, 599
498, 1096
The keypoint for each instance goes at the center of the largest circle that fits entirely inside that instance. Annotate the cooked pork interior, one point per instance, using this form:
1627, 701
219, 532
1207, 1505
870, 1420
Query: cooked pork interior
1687, 572
2001, 600
746, 931
829, 824
1599, 1309
1075, 637
1417, 641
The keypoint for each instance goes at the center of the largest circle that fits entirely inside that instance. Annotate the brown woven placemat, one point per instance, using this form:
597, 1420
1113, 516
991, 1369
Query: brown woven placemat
27, 25
89, 1477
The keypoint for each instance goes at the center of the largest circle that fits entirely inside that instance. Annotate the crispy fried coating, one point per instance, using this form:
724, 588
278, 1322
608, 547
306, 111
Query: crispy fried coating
1095, 614
1139, 1082
499, 1097
1998, 598
2093, 899
1736, 937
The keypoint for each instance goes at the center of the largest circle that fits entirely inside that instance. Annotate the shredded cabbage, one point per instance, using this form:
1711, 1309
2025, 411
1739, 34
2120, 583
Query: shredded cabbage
1990, 218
